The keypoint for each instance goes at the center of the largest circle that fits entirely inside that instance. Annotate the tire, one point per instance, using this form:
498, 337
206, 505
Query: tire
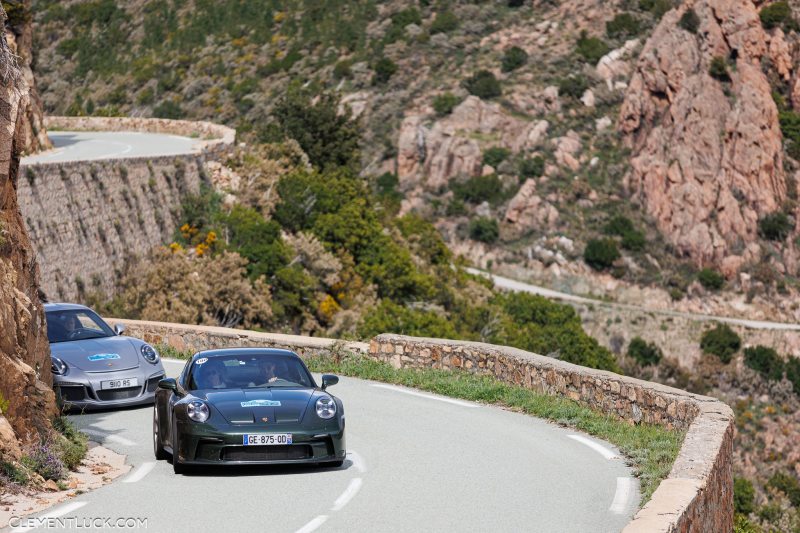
158, 448
177, 467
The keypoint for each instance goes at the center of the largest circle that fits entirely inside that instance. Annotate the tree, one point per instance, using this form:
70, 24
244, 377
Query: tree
765, 361
328, 137
444, 104
645, 353
689, 21
384, 70
484, 229
711, 279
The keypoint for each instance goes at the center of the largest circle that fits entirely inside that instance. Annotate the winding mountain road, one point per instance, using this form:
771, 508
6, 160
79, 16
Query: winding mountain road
416, 462
93, 146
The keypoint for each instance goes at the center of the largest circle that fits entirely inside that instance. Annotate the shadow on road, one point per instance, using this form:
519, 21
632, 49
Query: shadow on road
266, 470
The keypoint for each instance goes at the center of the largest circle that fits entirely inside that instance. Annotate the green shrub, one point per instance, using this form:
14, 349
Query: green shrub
531, 168
711, 279
793, 373
444, 104
495, 155
777, 14
623, 25
168, 109
775, 226
573, 86
771, 512
3, 404
516, 3
445, 21
689, 21
483, 84
591, 49
72, 446
787, 484
13, 472
765, 361
718, 69
618, 225
384, 70
484, 229
44, 460
601, 253
743, 495
741, 524
646, 353
514, 58
721, 341
479, 189
342, 69
389, 317
657, 7
634, 241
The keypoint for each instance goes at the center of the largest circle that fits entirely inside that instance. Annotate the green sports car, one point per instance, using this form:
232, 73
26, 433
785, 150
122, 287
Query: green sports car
247, 406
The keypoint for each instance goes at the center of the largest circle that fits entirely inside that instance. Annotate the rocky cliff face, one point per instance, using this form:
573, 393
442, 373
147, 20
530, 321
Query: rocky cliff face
25, 380
19, 35
707, 153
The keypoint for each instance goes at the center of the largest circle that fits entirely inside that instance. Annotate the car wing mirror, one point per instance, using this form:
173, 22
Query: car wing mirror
170, 384
119, 329
328, 380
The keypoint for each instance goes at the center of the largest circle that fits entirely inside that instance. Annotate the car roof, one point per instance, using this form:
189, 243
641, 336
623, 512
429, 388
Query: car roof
246, 351
62, 306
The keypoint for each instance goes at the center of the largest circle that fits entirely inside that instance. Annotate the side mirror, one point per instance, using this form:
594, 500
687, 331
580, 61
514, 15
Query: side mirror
168, 384
328, 380
119, 329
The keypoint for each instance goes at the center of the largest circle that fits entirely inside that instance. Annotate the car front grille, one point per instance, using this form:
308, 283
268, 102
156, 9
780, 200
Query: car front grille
267, 453
152, 383
118, 394
75, 393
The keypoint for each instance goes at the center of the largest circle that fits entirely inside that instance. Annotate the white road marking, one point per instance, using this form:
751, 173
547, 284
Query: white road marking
357, 461
421, 395
140, 472
109, 438
42, 519
623, 494
602, 450
314, 524
348, 494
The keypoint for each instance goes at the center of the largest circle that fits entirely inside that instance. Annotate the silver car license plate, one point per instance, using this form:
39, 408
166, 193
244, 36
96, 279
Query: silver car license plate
119, 383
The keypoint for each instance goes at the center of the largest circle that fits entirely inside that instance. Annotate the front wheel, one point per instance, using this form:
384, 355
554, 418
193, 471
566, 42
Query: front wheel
177, 467
158, 448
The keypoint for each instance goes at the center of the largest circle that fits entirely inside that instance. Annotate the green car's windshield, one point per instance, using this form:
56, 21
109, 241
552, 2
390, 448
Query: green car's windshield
75, 325
248, 372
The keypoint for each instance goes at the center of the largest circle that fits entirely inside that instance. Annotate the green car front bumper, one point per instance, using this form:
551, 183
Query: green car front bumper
204, 444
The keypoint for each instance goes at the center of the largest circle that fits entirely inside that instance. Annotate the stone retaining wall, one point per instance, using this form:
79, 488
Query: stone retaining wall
86, 219
697, 495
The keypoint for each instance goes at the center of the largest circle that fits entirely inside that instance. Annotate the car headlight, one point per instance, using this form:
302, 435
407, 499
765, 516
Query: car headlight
149, 353
58, 366
197, 411
326, 407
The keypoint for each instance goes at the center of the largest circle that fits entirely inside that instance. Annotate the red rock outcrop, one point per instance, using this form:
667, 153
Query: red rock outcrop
707, 154
25, 379
450, 147
19, 35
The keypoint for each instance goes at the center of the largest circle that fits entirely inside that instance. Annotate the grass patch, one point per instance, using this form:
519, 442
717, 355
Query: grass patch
165, 350
650, 449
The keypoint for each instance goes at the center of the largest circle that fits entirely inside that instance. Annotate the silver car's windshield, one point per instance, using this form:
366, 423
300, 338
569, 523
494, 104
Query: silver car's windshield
76, 325
248, 372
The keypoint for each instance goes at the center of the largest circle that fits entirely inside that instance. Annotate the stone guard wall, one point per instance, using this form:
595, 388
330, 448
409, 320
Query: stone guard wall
697, 495
86, 219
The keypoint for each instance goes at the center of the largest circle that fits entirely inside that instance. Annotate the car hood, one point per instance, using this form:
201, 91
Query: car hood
247, 406
108, 354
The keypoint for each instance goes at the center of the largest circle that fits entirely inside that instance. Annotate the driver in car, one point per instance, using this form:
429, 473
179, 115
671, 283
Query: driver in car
213, 375
269, 373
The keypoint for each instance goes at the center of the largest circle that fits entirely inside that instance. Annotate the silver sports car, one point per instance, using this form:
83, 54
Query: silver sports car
94, 366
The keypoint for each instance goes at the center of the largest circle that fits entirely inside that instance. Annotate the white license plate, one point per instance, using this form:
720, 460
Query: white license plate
119, 383
267, 439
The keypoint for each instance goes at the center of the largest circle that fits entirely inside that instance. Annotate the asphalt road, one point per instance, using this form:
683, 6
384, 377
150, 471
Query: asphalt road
519, 286
91, 146
416, 462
